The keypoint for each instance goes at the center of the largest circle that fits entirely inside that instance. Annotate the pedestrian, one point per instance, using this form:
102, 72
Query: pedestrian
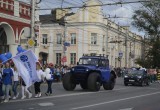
15, 82
58, 75
7, 78
25, 89
37, 84
51, 66
1, 92
49, 79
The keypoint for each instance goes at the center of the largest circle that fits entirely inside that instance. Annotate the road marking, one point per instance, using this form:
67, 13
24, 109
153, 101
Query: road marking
127, 109
30, 108
64, 95
153, 88
97, 104
46, 104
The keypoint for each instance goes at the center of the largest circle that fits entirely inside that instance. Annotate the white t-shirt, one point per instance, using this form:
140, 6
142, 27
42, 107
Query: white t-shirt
40, 74
15, 76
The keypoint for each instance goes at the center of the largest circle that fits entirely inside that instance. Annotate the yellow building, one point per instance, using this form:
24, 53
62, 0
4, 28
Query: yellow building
88, 33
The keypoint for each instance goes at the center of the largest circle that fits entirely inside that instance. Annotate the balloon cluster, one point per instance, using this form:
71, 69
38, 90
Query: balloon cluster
5, 57
20, 49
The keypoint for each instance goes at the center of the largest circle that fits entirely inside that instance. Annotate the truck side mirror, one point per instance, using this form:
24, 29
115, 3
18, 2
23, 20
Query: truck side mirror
77, 63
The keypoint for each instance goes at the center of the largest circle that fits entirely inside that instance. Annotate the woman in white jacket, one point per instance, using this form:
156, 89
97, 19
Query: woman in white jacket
37, 84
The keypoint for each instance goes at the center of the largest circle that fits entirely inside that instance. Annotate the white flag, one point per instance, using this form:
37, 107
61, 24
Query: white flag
26, 66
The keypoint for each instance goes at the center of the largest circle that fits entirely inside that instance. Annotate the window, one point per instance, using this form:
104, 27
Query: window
24, 10
6, 4
29, 12
59, 38
20, 9
58, 58
11, 6
104, 63
44, 38
73, 38
73, 58
94, 38
1, 3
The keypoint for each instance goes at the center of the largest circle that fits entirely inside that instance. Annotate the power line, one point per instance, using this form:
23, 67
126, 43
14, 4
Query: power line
84, 6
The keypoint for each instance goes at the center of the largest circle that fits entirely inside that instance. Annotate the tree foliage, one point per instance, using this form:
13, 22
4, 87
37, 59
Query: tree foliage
148, 19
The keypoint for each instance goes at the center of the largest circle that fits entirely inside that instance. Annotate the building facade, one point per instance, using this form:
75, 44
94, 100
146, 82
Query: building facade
87, 33
14, 19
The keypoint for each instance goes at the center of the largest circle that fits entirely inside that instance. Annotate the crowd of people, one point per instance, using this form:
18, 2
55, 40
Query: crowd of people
10, 79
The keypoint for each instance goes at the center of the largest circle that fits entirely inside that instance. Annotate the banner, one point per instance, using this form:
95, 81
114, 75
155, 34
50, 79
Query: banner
26, 66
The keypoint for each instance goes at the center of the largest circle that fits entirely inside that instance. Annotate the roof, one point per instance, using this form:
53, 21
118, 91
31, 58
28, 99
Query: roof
50, 18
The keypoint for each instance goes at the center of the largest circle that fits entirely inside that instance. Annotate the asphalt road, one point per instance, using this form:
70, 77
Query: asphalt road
121, 98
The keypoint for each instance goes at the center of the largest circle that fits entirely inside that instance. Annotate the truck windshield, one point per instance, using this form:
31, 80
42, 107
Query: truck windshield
88, 61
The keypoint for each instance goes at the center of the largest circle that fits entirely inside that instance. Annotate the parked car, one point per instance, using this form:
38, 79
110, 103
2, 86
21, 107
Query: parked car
136, 77
91, 73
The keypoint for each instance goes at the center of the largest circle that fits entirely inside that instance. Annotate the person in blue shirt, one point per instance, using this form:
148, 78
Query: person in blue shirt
1, 92
7, 76
49, 79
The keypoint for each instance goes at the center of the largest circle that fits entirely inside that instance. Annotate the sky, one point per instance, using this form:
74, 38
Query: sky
124, 11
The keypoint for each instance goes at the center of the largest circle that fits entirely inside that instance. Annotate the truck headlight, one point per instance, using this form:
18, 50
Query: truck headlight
87, 69
139, 77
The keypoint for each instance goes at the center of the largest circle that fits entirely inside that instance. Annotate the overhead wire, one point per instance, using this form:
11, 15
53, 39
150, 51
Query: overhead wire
87, 31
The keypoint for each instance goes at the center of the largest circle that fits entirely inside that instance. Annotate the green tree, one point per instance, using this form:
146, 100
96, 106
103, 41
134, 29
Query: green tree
147, 19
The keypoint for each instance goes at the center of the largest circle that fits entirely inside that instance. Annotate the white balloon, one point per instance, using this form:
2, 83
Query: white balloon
47, 71
48, 76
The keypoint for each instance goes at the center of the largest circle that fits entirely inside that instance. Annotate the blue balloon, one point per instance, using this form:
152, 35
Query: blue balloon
19, 49
3, 58
8, 55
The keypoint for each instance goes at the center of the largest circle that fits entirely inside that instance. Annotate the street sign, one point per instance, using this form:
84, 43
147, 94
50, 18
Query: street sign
120, 54
66, 44
31, 42
64, 59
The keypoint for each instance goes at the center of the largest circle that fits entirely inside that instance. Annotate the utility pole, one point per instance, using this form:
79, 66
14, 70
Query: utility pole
64, 37
130, 54
64, 40
134, 50
33, 22
126, 48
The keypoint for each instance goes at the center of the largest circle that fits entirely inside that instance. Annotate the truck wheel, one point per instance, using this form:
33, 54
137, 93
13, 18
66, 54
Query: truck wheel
142, 83
94, 82
68, 83
110, 85
83, 85
147, 82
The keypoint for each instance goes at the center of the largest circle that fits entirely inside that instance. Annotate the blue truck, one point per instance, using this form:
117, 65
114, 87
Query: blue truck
91, 73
